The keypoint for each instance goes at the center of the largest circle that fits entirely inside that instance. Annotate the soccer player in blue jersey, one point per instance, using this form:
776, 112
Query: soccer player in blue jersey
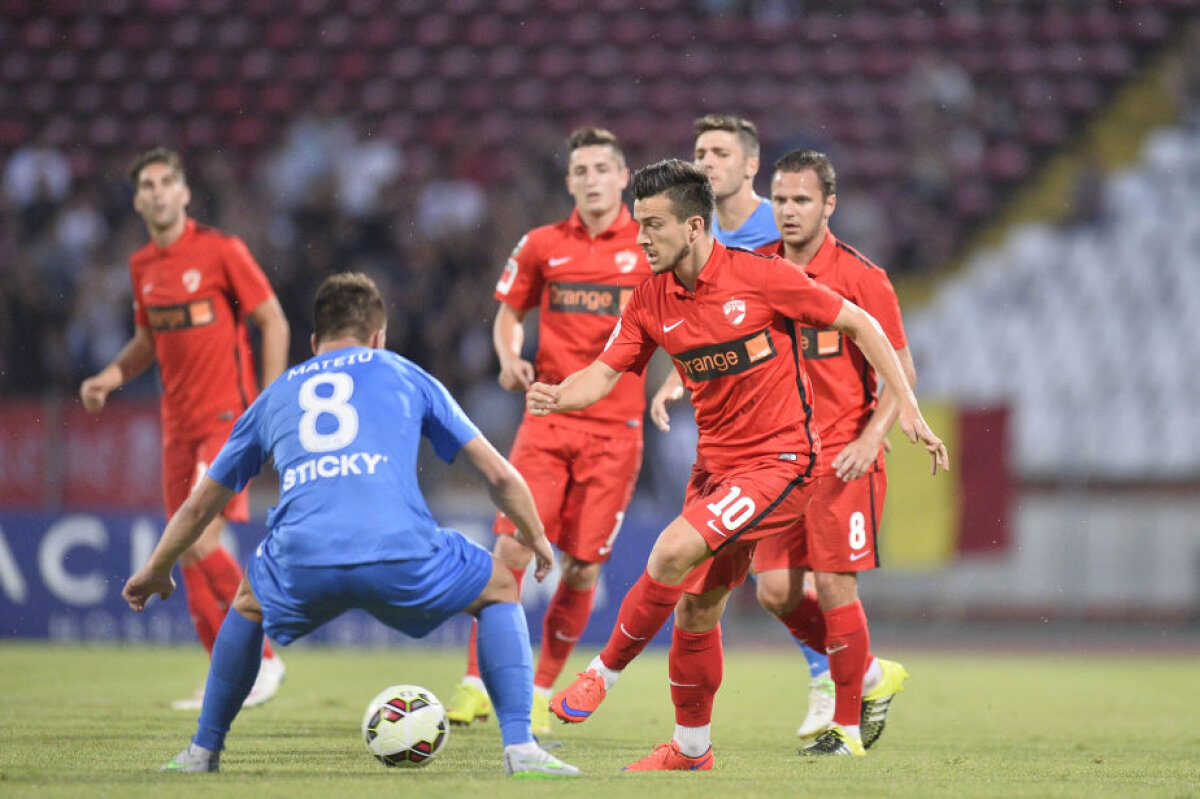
727, 149
352, 530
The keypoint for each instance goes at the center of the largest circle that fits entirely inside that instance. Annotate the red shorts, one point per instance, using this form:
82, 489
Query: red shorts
737, 510
581, 484
839, 533
185, 461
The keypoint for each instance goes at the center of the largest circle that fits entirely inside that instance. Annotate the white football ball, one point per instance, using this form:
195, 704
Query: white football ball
405, 725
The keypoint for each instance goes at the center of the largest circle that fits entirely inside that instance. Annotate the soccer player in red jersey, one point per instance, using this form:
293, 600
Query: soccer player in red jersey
729, 320
838, 536
193, 288
581, 466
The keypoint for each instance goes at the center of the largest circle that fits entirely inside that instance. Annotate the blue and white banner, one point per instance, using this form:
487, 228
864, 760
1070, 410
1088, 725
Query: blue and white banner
61, 576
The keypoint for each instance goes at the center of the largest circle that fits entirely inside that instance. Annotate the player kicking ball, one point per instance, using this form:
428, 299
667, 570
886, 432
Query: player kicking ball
351, 528
728, 319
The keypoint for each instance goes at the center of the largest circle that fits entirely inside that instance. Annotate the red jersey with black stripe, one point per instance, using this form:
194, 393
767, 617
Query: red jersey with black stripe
734, 340
845, 383
581, 284
194, 296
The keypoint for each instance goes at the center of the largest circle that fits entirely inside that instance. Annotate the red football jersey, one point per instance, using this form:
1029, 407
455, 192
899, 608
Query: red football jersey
194, 296
734, 343
581, 284
844, 382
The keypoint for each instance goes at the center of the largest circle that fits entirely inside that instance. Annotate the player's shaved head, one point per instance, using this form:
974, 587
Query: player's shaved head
348, 304
159, 155
800, 160
683, 183
745, 130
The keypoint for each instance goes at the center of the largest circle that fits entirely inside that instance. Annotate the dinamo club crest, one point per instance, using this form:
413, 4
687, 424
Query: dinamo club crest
735, 311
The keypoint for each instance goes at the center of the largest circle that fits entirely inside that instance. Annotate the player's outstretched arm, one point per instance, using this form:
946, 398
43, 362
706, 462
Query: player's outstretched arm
511, 495
133, 359
270, 319
508, 337
670, 391
869, 338
857, 457
200, 508
589, 385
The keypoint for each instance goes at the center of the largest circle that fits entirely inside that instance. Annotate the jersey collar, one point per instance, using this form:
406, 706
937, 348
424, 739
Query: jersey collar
708, 272
575, 222
189, 229
824, 256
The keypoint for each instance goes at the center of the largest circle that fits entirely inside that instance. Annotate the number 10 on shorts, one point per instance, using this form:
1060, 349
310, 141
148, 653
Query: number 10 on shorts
733, 510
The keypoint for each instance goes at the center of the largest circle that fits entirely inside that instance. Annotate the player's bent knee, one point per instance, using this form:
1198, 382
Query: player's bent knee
246, 603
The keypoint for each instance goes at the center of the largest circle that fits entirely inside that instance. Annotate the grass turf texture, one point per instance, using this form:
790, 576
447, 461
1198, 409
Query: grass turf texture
95, 721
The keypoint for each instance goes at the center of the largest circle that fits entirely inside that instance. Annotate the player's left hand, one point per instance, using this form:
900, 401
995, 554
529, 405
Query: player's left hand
856, 458
659, 404
915, 429
145, 584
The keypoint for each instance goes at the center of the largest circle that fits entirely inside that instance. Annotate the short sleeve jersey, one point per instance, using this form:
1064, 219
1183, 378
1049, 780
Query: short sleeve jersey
756, 231
844, 382
344, 429
581, 284
734, 342
194, 296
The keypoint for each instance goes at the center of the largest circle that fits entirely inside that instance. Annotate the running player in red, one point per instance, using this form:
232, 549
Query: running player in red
193, 288
728, 318
839, 534
582, 466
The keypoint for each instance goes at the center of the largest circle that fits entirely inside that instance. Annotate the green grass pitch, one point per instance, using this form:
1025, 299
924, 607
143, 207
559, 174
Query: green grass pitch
95, 721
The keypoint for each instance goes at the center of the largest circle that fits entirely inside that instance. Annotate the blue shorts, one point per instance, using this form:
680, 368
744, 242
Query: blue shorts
412, 596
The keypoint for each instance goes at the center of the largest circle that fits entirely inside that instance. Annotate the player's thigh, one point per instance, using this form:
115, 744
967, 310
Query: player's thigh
543, 458
843, 523
603, 477
179, 473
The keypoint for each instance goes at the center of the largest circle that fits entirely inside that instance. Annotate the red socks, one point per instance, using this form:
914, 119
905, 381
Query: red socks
565, 621
644, 611
848, 646
806, 622
211, 584
696, 664
472, 653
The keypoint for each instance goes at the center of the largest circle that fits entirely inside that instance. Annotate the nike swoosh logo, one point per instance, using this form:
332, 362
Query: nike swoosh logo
859, 555
558, 261
833, 650
566, 638
631, 635
683, 684
669, 328
713, 526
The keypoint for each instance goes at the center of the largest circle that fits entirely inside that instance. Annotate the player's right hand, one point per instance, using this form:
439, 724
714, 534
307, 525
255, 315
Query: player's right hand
145, 584
542, 399
658, 406
515, 375
93, 393
543, 555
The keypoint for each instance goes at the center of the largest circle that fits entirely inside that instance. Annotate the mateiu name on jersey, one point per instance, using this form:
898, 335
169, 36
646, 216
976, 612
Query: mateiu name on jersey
330, 465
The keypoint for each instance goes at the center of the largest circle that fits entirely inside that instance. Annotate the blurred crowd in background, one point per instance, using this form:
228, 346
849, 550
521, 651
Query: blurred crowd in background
434, 219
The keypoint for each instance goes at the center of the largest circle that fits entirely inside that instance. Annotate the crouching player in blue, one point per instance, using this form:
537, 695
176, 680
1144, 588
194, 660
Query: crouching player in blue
352, 529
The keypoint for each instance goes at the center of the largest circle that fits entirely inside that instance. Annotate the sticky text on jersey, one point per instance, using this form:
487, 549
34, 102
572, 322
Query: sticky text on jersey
357, 463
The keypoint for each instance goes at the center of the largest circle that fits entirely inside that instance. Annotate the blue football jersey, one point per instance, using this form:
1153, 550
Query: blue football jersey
756, 231
344, 429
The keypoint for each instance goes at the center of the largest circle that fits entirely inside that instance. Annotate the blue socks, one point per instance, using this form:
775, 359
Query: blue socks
506, 665
236, 656
818, 663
